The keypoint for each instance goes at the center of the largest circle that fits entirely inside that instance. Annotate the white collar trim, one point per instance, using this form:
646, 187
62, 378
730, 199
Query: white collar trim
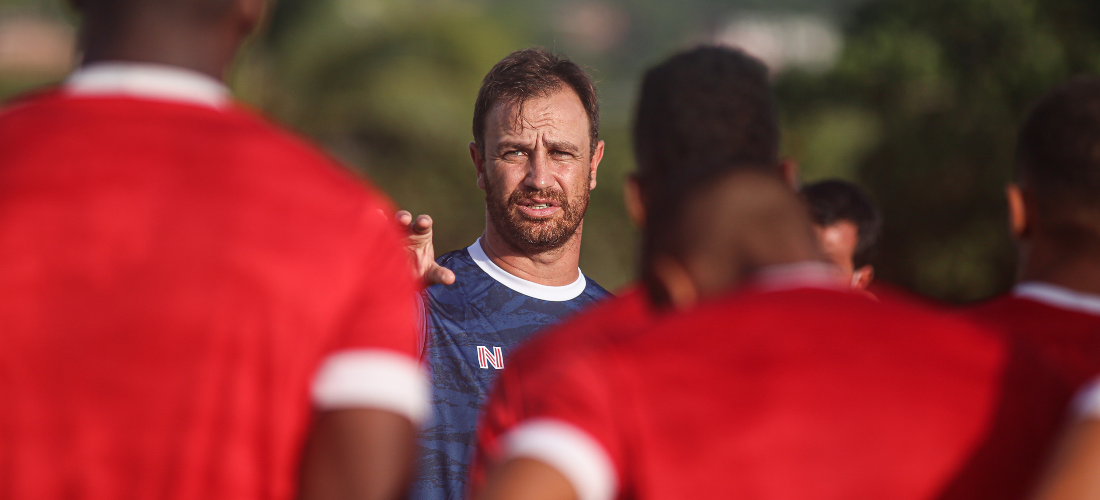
805, 274
147, 81
1058, 296
528, 288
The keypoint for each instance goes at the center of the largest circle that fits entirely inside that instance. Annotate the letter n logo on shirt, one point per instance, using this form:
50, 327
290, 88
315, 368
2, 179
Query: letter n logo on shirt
485, 358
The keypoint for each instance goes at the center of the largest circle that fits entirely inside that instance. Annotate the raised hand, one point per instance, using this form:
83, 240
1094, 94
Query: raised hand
418, 242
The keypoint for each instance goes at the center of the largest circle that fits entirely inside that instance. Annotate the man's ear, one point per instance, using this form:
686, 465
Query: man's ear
632, 198
789, 168
479, 164
865, 275
597, 156
1019, 211
676, 283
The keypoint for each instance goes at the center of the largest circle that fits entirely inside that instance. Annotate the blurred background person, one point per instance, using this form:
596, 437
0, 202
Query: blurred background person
849, 398
191, 295
536, 151
848, 227
1054, 215
712, 102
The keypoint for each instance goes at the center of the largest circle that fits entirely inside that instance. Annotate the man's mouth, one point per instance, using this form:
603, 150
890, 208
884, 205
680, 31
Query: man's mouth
539, 208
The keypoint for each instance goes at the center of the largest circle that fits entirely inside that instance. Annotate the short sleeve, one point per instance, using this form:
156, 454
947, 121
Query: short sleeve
373, 361
573, 422
1086, 405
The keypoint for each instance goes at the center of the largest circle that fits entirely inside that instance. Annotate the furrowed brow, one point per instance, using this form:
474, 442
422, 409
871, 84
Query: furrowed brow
565, 146
512, 145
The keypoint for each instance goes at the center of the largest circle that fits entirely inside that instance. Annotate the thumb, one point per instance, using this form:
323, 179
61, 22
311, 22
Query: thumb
439, 275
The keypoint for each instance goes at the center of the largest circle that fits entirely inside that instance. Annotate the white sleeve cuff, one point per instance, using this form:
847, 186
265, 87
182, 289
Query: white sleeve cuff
1086, 405
570, 451
372, 378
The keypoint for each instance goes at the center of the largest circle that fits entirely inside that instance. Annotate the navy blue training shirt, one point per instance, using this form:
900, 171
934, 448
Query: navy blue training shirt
472, 326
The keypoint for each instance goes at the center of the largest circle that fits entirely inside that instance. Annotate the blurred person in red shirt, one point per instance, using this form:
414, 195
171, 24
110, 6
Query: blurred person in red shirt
1054, 212
793, 387
711, 101
191, 296
848, 227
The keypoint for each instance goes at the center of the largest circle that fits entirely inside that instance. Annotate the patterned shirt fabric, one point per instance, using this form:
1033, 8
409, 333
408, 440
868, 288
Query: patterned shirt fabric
473, 327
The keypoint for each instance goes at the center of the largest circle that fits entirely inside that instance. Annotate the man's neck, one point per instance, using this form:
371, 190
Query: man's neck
557, 267
207, 51
1073, 270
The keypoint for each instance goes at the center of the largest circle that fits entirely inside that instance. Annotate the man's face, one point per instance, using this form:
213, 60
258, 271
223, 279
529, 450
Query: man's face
537, 170
838, 242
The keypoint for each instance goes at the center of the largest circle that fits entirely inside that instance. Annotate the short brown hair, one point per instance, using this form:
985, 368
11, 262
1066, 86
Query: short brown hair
529, 73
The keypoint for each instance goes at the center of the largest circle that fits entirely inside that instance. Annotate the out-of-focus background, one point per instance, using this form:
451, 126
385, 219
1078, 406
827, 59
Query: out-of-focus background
917, 101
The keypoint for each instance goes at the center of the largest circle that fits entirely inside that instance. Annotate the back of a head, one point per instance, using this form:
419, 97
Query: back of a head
723, 227
832, 201
1058, 159
123, 11
708, 108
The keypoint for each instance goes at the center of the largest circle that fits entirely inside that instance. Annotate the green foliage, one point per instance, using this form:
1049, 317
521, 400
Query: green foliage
389, 87
946, 83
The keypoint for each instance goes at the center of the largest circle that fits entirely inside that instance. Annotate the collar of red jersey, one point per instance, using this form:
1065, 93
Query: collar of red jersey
1058, 296
805, 274
147, 81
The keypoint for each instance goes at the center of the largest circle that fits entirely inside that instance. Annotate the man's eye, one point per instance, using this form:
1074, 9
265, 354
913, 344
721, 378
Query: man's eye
514, 154
561, 155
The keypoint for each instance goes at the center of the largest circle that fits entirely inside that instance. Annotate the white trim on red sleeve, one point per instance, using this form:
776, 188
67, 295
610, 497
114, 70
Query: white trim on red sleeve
1058, 296
570, 451
372, 378
1087, 403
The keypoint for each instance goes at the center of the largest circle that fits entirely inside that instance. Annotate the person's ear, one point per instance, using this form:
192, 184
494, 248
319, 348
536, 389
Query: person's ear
479, 164
1019, 211
863, 277
597, 156
789, 169
676, 283
632, 198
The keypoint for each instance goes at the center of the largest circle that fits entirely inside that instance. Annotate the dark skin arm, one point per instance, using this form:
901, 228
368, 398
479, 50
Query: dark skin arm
526, 479
1074, 471
360, 454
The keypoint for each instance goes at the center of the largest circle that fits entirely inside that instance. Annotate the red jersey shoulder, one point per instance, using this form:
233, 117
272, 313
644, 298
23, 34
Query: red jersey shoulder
816, 307
1068, 340
238, 132
629, 312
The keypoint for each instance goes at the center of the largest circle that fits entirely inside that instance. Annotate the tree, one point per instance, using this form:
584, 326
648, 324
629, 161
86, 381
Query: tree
935, 91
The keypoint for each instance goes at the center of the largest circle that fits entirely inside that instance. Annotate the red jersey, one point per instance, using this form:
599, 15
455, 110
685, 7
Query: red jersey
1063, 324
181, 284
508, 403
790, 394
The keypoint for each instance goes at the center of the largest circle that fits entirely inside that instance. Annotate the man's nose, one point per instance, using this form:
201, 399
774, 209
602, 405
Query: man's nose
538, 172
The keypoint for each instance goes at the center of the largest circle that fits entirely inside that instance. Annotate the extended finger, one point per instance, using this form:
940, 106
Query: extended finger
423, 224
403, 217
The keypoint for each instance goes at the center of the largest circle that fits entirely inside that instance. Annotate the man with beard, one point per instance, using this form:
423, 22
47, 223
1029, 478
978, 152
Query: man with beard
535, 151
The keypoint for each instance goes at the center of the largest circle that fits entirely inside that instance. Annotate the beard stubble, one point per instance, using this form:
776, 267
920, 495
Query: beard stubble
529, 233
